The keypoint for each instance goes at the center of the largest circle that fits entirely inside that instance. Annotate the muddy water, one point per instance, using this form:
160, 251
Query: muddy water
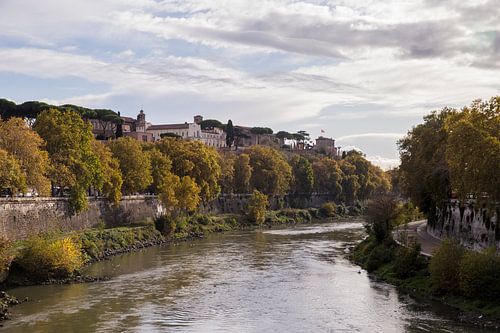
295, 279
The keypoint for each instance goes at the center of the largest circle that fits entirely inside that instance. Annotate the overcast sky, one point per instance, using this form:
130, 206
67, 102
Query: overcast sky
363, 71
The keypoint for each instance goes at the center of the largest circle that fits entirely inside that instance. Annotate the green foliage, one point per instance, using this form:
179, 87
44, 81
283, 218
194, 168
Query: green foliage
96, 244
109, 180
408, 261
328, 177
210, 123
423, 166
229, 133
257, 207
242, 174
328, 209
473, 149
444, 267
480, 275
406, 213
69, 144
261, 130
302, 175
46, 257
134, 162
271, 174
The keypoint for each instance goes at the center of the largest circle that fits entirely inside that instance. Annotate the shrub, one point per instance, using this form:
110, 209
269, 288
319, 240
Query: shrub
328, 209
379, 256
480, 275
257, 207
408, 261
44, 258
444, 267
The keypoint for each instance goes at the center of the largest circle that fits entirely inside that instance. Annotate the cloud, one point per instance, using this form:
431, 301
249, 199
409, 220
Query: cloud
371, 135
362, 70
383, 162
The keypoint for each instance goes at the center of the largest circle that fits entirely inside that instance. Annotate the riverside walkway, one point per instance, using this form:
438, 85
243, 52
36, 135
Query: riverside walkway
417, 231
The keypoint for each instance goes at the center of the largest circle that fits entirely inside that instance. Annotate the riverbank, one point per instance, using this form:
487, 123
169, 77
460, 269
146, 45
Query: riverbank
101, 244
408, 270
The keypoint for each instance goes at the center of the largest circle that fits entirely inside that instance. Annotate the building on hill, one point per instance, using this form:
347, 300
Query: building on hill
326, 146
137, 128
246, 137
214, 137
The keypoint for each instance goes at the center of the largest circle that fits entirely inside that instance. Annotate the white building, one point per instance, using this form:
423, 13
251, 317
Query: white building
214, 137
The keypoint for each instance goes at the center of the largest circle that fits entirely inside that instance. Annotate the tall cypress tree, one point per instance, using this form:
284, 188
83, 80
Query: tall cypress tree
229, 133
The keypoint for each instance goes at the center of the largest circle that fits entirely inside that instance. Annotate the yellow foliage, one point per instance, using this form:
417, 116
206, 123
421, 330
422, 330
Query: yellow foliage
45, 257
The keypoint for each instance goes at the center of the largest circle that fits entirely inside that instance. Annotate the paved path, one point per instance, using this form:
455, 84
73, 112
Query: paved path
417, 231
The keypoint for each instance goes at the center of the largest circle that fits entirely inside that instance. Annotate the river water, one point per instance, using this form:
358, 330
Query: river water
295, 279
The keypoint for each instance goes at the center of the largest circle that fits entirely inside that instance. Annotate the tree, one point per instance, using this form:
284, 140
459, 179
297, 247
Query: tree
11, 176
196, 160
69, 144
210, 124
229, 133
227, 162
27, 147
473, 149
271, 174
381, 213
7, 109
134, 164
110, 178
371, 179
424, 169
303, 177
328, 177
242, 173
260, 131
188, 194
350, 182
257, 207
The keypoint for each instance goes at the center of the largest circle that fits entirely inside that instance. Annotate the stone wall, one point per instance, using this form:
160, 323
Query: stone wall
475, 226
236, 203
22, 217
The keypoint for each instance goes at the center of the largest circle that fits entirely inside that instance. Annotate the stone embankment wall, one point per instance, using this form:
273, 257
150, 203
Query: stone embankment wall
23, 217
476, 226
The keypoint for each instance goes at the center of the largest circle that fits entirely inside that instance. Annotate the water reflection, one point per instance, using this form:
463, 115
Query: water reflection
288, 280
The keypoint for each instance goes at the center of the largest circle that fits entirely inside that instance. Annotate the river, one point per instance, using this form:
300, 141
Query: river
295, 279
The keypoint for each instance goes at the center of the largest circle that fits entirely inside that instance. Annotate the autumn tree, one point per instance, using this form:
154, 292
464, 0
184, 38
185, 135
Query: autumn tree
11, 176
303, 176
257, 207
109, 179
271, 174
196, 160
26, 146
227, 162
328, 177
134, 164
242, 173
69, 144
